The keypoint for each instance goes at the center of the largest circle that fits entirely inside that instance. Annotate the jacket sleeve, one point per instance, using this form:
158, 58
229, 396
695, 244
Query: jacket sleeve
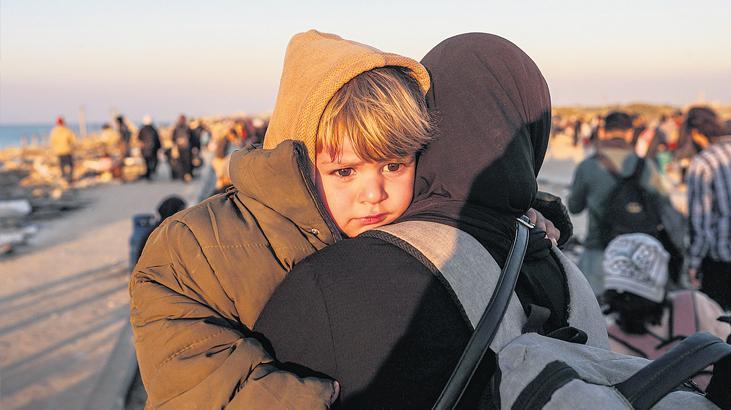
193, 352
700, 207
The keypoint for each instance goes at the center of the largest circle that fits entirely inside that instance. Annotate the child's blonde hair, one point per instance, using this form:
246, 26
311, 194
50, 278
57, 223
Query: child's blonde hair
382, 111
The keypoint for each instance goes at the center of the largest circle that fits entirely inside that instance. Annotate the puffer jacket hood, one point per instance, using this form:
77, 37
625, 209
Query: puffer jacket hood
279, 180
316, 66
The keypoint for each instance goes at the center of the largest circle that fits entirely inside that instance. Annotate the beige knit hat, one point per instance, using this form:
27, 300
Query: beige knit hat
316, 66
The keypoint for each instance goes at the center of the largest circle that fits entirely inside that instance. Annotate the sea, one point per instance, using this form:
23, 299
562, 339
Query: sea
13, 135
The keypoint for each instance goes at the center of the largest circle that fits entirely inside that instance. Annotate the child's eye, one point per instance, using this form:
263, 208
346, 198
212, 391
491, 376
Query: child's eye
393, 167
344, 172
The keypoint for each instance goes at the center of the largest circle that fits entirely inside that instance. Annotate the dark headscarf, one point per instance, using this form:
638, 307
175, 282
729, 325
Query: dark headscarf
493, 115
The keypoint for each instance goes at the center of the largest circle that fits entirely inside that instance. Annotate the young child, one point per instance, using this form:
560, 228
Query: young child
355, 113
646, 321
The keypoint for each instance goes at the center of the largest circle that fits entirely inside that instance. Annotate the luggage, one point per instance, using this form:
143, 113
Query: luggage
539, 372
142, 225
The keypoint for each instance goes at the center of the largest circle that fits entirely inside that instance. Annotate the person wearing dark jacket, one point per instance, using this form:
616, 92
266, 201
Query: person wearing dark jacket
149, 140
183, 140
124, 132
373, 317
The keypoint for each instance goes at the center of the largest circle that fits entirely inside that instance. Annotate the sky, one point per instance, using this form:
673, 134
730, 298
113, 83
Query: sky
224, 57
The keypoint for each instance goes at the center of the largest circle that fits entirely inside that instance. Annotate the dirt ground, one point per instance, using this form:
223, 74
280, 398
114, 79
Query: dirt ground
63, 298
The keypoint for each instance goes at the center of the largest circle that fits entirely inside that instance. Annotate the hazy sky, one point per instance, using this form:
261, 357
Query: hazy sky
209, 57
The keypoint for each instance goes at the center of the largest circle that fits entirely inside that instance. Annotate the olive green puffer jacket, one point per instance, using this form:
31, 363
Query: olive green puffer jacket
205, 275
207, 272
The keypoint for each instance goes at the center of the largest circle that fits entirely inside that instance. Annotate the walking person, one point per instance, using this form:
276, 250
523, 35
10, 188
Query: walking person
594, 188
62, 144
149, 140
207, 272
375, 316
200, 137
577, 131
183, 140
709, 205
125, 134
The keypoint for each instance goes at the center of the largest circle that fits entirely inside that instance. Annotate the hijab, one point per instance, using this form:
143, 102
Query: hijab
492, 112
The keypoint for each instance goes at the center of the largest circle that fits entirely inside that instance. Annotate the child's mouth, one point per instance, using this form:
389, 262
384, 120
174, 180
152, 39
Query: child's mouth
373, 219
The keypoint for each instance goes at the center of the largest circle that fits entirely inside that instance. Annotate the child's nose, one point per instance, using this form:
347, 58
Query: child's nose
373, 191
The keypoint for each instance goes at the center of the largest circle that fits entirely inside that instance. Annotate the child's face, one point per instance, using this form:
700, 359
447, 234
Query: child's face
362, 195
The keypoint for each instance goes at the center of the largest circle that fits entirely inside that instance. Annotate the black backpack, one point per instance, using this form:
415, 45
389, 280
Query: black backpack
630, 208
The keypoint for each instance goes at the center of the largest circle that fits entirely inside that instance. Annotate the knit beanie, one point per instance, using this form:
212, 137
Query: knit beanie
636, 263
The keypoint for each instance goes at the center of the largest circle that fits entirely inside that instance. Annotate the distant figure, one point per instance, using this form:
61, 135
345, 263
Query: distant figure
646, 321
111, 138
597, 179
114, 149
124, 133
577, 131
216, 178
260, 128
709, 207
183, 140
596, 129
62, 144
201, 138
671, 129
648, 141
149, 140
639, 125
167, 207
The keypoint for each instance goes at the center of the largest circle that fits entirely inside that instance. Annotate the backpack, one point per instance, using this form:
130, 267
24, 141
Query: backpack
630, 208
537, 371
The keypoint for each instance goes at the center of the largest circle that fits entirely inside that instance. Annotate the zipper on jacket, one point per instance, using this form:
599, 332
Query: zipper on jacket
539, 391
304, 167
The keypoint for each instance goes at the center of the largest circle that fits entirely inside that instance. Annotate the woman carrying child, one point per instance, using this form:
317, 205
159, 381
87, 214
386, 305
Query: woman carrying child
374, 316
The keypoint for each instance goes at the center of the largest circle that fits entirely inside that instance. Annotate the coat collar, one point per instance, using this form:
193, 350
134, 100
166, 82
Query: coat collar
279, 179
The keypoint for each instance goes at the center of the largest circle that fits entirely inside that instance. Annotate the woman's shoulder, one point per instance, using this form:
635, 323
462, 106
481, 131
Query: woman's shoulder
362, 257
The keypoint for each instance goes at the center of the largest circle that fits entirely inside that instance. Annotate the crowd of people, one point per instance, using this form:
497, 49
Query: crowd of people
181, 146
623, 187
661, 274
351, 260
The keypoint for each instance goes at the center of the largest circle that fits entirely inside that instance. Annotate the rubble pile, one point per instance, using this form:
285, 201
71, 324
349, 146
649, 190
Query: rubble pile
32, 187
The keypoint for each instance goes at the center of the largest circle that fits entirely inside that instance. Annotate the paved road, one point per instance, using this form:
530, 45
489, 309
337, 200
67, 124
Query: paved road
64, 300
